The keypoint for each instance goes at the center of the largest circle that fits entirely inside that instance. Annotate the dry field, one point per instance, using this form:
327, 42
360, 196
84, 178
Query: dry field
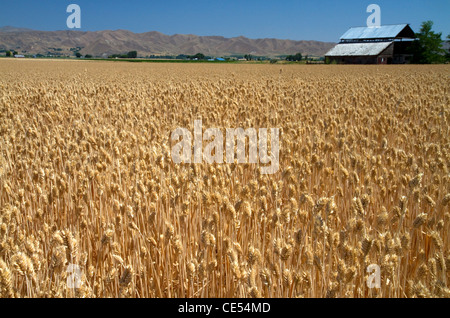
87, 178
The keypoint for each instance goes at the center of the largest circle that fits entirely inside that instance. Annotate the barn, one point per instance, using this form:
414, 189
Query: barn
386, 44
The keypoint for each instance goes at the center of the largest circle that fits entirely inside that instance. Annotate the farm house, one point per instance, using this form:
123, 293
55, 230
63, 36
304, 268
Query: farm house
386, 44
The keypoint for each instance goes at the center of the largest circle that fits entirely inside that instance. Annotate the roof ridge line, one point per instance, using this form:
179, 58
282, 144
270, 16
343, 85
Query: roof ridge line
380, 25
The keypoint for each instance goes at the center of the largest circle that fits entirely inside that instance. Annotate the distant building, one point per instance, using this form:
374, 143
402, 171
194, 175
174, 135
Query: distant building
19, 56
386, 44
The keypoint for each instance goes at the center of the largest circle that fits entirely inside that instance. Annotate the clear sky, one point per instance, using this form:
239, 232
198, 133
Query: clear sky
322, 20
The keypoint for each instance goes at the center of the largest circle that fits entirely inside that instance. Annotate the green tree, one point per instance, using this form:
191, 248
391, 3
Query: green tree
88, 56
78, 55
447, 55
427, 48
8, 54
132, 55
295, 58
199, 56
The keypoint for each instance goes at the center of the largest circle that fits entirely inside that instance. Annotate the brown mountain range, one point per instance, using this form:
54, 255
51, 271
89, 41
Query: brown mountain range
102, 43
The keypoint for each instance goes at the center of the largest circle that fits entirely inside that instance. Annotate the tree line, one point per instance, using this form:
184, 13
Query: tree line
129, 55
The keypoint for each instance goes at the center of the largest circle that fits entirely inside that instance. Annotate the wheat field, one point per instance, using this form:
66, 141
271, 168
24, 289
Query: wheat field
87, 178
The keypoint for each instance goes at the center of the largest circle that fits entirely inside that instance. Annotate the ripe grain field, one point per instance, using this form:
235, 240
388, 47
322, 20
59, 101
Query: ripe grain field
87, 178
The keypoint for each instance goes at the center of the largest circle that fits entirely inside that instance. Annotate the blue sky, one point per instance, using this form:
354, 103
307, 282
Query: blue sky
322, 20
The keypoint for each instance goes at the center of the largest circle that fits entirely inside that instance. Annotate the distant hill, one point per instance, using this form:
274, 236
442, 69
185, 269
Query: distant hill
13, 29
150, 43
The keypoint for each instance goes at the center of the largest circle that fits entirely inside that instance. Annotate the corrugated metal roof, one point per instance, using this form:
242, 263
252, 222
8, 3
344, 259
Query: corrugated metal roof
358, 49
384, 31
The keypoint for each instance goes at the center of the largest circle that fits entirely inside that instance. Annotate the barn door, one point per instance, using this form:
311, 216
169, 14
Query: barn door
382, 60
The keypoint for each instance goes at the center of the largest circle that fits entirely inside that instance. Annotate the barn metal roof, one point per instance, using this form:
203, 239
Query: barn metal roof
358, 49
382, 32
